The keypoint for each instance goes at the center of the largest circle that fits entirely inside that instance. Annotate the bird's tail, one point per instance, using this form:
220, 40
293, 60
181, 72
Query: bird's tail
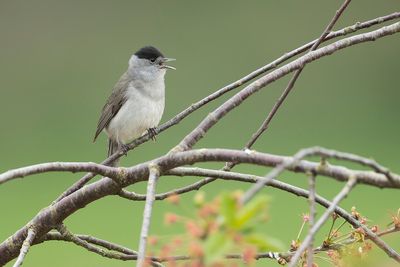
112, 148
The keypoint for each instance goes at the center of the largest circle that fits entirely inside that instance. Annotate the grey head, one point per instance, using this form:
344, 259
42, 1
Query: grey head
148, 63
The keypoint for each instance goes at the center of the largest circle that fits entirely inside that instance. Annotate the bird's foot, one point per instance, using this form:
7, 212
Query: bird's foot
125, 149
152, 132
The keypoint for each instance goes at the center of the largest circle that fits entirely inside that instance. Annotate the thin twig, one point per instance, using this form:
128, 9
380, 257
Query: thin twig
60, 166
90, 239
179, 117
389, 231
86, 241
293, 80
311, 220
154, 173
357, 159
78, 184
131, 255
85, 244
325, 216
25, 247
313, 151
195, 186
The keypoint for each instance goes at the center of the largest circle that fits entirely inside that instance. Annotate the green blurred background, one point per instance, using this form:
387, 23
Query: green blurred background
60, 59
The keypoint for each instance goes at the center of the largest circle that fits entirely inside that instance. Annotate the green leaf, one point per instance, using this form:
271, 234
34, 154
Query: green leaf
228, 210
251, 211
216, 246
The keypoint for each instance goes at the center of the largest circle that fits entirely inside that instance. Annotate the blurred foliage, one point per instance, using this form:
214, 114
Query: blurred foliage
216, 228
60, 59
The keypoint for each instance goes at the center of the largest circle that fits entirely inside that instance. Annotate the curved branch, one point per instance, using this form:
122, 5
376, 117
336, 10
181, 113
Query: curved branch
68, 236
315, 151
195, 186
130, 175
90, 239
52, 216
60, 166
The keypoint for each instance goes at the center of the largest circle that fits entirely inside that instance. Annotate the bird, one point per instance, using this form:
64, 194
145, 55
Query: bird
137, 100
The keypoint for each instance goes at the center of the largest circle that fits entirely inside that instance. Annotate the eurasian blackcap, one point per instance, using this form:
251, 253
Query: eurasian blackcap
136, 103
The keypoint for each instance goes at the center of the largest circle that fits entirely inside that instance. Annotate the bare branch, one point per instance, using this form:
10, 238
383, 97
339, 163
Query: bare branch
90, 239
68, 236
306, 242
313, 151
195, 186
59, 166
154, 174
25, 247
78, 184
389, 231
127, 176
85, 241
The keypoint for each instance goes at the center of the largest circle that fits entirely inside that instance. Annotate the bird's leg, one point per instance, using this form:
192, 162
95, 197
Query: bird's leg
152, 132
124, 149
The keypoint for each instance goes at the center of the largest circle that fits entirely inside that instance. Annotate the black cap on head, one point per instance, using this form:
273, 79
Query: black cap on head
149, 52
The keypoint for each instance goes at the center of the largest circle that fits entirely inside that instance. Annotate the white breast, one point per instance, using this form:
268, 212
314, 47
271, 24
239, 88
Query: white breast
142, 110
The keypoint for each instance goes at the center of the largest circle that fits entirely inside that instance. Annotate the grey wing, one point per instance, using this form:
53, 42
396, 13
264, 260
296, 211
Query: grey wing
113, 104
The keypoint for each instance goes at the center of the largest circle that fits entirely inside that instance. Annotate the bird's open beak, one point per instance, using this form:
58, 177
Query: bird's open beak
163, 66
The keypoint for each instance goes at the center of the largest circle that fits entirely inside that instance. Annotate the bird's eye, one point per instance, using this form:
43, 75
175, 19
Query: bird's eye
153, 60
